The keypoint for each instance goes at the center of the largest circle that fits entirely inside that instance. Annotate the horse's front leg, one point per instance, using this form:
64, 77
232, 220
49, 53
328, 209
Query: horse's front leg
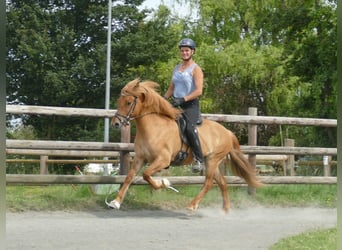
156, 166
136, 166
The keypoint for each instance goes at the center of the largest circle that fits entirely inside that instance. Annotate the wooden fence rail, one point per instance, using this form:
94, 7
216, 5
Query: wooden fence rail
246, 119
62, 161
175, 180
61, 152
47, 145
100, 149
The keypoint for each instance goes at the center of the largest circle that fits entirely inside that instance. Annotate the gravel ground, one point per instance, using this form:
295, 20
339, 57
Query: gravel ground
207, 228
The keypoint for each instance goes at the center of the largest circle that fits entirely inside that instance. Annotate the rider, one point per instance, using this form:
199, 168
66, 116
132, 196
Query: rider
186, 86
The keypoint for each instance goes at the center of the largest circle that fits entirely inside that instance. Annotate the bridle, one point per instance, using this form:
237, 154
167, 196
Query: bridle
126, 119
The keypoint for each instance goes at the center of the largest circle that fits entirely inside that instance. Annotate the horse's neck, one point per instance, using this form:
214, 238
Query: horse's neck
153, 123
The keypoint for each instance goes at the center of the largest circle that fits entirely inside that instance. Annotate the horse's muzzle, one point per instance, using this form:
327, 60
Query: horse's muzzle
116, 123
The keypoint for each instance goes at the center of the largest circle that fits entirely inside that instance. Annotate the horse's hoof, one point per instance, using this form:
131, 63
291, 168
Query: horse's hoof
225, 210
166, 183
114, 204
191, 208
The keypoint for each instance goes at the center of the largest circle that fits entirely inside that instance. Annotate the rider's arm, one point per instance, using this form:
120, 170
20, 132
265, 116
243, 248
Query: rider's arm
198, 79
169, 92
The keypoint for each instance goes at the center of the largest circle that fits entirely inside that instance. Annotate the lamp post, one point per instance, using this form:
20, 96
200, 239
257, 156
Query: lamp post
107, 96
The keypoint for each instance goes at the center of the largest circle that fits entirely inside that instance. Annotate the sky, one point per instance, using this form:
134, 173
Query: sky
180, 10
155, 3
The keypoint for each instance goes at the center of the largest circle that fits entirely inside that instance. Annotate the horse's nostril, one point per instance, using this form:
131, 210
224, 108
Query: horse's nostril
116, 125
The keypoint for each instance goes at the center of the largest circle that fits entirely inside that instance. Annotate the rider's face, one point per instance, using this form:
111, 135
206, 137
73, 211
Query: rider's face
186, 53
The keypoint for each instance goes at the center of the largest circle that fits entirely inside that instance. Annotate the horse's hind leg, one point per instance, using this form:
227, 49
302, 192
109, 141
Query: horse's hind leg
208, 183
206, 187
221, 182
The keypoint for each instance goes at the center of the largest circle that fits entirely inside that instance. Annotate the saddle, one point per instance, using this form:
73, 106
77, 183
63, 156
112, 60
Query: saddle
181, 121
182, 155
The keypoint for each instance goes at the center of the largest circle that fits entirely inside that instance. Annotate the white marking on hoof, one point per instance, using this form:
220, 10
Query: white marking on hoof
114, 204
167, 184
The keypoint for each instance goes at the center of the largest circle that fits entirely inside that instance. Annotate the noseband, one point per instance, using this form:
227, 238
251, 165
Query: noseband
125, 119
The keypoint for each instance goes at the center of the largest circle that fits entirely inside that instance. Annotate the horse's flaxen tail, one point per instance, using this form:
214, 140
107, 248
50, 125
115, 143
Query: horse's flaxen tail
241, 167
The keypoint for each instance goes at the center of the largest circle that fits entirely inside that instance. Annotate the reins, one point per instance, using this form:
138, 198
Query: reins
139, 116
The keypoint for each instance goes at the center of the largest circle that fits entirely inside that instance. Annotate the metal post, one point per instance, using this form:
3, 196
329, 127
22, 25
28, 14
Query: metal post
107, 97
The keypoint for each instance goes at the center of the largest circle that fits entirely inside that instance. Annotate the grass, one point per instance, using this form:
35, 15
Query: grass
298, 195
80, 197
315, 240
50, 198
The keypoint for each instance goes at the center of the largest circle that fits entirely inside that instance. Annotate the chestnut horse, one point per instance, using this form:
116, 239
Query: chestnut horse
158, 142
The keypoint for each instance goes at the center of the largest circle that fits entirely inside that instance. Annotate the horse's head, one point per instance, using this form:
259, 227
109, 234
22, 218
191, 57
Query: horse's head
127, 105
138, 99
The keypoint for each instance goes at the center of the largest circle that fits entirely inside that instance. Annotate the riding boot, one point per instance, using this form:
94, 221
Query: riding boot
195, 146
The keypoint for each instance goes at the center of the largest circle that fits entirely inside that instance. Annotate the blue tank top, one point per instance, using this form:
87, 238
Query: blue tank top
184, 82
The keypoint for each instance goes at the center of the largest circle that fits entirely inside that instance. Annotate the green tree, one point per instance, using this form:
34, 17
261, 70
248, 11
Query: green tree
141, 52
279, 56
53, 61
308, 31
56, 57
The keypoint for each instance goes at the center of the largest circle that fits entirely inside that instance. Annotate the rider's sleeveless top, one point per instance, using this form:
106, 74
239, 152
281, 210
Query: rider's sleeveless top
184, 82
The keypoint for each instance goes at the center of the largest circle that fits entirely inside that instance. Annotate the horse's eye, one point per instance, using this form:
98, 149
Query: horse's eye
129, 103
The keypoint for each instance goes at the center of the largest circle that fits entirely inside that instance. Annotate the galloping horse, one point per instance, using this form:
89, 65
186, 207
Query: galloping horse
158, 143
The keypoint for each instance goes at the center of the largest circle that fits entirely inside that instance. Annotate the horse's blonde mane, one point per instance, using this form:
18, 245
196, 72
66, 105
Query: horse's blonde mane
147, 92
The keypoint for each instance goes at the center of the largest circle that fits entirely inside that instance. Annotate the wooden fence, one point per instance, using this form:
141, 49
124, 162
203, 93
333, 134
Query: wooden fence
101, 149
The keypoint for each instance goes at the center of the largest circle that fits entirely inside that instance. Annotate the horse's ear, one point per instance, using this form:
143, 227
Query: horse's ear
137, 83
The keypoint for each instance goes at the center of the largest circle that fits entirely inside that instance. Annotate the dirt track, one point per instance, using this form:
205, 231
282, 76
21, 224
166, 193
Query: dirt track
252, 228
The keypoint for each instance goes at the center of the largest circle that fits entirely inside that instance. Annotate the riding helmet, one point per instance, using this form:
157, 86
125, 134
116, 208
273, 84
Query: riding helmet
187, 42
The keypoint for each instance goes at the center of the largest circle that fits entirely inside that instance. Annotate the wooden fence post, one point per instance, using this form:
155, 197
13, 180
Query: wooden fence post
124, 154
43, 164
326, 165
252, 141
290, 160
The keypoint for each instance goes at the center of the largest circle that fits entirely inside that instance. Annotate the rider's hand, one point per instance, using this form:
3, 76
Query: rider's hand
178, 101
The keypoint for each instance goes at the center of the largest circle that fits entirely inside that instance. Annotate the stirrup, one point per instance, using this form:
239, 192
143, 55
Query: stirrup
197, 167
